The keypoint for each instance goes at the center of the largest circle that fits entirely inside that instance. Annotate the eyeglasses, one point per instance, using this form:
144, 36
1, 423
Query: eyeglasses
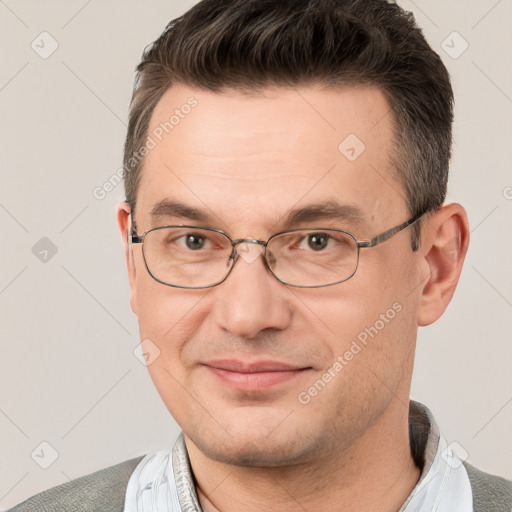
196, 257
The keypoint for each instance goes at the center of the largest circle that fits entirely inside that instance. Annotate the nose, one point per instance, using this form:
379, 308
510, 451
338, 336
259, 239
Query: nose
251, 299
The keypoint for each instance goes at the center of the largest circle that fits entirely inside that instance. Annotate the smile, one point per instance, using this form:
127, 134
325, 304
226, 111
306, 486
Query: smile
257, 376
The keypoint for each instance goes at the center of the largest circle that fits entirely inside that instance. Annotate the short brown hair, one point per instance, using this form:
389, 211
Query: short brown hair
250, 44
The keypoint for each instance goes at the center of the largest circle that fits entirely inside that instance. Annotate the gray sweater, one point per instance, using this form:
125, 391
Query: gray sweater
104, 491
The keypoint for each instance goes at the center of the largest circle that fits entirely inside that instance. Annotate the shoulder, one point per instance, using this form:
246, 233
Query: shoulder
103, 490
490, 492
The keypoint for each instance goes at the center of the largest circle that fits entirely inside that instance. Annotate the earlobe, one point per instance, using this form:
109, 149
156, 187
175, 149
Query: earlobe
124, 222
446, 238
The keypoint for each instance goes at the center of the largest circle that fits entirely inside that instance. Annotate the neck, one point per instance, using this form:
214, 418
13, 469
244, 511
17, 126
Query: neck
375, 473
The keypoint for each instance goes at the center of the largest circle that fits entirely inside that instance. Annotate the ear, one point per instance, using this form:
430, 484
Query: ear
446, 240
124, 222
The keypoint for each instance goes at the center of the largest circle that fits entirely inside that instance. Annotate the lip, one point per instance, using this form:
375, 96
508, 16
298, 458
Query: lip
253, 376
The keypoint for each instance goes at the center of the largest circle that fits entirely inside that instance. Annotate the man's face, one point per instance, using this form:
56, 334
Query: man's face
247, 161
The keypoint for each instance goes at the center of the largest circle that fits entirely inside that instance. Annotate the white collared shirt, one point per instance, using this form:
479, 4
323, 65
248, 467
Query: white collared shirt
444, 487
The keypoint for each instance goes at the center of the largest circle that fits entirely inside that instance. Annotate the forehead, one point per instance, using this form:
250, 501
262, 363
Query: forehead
248, 158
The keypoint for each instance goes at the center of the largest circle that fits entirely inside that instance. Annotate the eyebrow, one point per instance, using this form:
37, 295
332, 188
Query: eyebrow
169, 208
325, 210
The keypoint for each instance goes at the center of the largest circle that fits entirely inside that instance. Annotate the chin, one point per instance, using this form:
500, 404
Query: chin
257, 450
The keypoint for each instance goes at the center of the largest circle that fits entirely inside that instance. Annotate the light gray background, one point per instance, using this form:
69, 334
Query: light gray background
68, 374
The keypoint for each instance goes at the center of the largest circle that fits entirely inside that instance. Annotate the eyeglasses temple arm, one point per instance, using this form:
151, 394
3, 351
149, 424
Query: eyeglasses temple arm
389, 233
133, 237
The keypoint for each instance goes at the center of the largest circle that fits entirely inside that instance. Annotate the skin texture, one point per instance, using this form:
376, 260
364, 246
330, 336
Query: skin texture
247, 160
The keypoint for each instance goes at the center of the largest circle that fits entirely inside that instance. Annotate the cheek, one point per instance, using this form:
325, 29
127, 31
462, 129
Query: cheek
168, 319
373, 354
168, 316
369, 321
154, 305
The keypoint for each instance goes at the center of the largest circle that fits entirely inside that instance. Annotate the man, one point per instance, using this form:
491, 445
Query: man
285, 235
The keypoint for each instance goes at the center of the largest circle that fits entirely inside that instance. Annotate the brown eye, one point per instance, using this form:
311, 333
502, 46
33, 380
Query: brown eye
194, 242
318, 241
